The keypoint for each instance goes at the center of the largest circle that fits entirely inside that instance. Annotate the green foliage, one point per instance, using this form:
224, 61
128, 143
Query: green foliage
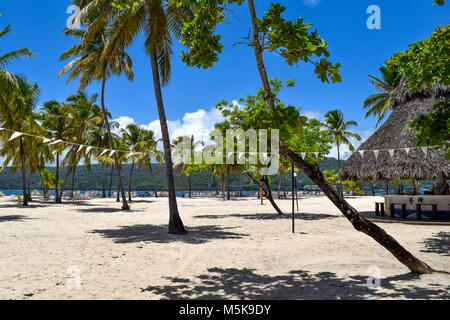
439, 2
425, 62
122, 4
293, 41
353, 187
433, 129
332, 178
256, 115
50, 179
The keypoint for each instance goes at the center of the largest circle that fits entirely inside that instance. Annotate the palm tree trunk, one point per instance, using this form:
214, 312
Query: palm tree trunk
125, 205
279, 185
57, 198
181, 182
189, 186
284, 188
110, 181
130, 181
358, 222
240, 186
153, 180
269, 196
73, 181
175, 224
228, 183
29, 182
103, 182
339, 168
24, 186
215, 184
414, 187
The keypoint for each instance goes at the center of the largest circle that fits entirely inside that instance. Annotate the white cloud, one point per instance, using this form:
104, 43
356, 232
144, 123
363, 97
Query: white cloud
311, 3
198, 124
314, 115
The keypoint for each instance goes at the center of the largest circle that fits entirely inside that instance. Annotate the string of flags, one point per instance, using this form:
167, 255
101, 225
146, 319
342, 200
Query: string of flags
267, 156
392, 151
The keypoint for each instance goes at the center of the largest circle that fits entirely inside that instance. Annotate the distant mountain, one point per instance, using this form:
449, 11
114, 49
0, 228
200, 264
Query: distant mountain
92, 180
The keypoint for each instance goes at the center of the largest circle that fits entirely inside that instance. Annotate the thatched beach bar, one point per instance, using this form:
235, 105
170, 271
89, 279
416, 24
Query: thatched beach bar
399, 157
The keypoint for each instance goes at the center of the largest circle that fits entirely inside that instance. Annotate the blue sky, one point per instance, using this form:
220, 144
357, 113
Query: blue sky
193, 92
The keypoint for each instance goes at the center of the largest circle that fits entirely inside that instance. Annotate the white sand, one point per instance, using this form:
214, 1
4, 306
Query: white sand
237, 249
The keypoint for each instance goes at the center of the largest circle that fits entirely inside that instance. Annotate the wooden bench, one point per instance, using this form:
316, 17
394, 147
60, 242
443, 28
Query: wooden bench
433, 210
392, 209
418, 210
377, 208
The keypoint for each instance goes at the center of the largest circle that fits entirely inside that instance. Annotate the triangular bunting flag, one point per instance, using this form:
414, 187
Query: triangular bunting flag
303, 155
1, 129
391, 152
15, 135
361, 152
45, 140
112, 153
54, 142
376, 153
104, 152
425, 151
130, 155
80, 149
230, 154
241, 154
407, 151
88, 149
316, 154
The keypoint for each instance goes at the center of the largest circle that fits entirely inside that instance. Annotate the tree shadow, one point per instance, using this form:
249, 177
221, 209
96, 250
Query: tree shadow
271, 216
20, 206
245, 284
13, 218
104, 210
439, 243
158, 234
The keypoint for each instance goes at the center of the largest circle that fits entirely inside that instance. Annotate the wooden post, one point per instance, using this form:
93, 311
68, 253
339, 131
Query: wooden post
434, 214
293, 200
419, 211
404, 210
392, 209
377, 208
261, 192
223, 191
382, 209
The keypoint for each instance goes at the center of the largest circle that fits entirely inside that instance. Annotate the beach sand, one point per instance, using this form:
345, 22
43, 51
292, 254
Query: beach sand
235, 250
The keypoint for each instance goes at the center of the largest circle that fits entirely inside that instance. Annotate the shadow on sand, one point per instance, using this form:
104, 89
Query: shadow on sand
246, 284
158, 234
13, 218
271, 216
439, 243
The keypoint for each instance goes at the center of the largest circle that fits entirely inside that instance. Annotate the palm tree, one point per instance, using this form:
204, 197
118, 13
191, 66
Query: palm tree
338, 131
55, 121
7, 80
83, 115
132, 138
378, 104
90, 64
149, 146
159, 23
20, 118
98, 137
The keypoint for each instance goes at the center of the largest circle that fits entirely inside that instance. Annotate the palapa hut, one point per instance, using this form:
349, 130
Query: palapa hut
393, 134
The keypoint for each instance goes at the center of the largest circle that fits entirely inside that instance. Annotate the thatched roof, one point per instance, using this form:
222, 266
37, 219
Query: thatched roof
394, 135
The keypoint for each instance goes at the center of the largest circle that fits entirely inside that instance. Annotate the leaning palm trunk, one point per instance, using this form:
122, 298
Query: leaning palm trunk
175, 224
130, 182
73, 182
313, 172
125, 205
189, 187
103, 182
110, 181
24, 186
57, 198
270, 197
29, 182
